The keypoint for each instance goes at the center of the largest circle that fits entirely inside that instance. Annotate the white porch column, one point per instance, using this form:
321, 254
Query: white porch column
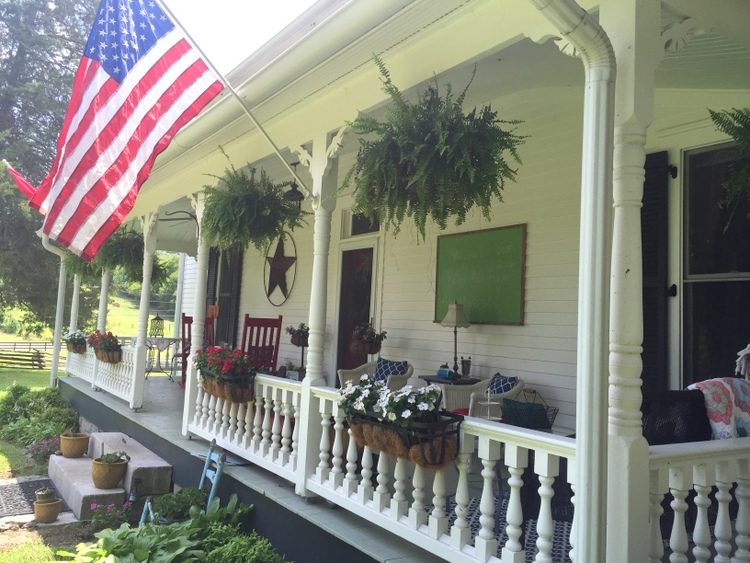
199, 315
59, 309
634, 26
324, 170
148, 222
74, 303
592, 46
101, 319
178, 296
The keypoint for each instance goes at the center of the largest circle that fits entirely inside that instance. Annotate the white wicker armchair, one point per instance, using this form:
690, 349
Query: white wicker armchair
457, 397
394, 382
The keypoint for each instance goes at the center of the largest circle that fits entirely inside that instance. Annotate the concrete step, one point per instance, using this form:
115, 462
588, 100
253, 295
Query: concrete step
148, 472
72, 479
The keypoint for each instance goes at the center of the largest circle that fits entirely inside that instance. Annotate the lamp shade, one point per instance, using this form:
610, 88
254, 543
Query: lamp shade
455, 316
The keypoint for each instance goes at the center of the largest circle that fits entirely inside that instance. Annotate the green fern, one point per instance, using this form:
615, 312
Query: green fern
736, 124
124, 250
429, 160
250, 210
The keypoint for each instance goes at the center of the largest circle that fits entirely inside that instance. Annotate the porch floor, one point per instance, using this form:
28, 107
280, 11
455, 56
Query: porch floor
161, 415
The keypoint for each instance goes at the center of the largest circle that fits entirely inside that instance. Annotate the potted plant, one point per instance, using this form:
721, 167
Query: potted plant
75, 342
299, 334
109, 469
226, 373
366, 340
247, 209
404, 423
428, 159
106, 346
46, 506
73, 444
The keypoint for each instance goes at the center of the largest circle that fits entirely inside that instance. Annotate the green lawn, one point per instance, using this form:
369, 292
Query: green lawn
31, 551
34, 378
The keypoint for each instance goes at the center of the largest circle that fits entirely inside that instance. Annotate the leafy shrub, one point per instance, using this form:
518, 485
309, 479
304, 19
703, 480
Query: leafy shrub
110, 515
42, 449
176, 506
251, 548
27, 416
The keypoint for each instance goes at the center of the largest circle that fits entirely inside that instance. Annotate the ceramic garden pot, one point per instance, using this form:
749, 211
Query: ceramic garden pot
47, 512
74, 445
107, 475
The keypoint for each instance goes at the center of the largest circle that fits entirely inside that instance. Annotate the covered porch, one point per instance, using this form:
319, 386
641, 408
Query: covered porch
580, 342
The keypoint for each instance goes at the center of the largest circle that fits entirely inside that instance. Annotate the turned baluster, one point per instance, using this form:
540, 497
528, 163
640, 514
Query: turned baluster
382, 496
702, 482
276, 428
657, 485
417, 514
678, 541
460, 532
547, 467
574, 524
200, 398
337, 472
723, 527
247, 438
350, 480
399, 503
258, 422
239, 428
438, 521
216, 408
286, 429
204, 409
295, 434
225, 428
265, 443
742, 525
325, 441
232, 432
364, 490
516, 459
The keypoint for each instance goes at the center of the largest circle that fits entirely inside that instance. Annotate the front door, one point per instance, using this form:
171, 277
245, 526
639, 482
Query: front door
354, 303
228, 295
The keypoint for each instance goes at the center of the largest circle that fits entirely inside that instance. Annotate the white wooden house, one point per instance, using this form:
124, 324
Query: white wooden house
597, 87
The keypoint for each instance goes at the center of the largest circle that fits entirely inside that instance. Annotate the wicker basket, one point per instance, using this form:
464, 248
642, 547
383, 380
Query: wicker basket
429, 444
76, 347
234, 390
109, 356
529, 410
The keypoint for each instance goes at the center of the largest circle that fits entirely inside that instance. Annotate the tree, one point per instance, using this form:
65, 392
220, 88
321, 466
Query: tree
41, 42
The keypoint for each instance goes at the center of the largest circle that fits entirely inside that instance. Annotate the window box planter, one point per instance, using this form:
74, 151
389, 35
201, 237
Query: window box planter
76, 347
237, 389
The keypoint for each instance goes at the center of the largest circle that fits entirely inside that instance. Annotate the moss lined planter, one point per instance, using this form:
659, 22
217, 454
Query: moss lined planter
74, 445
234, 390
76, 347
109, 356
360, 347
107, 475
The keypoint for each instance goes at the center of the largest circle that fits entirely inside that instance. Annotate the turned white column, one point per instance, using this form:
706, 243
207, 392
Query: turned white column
591, 44
634, 28
199, 315
101, 318
323, 168
59, 311
74, 303
178, 297
148, 223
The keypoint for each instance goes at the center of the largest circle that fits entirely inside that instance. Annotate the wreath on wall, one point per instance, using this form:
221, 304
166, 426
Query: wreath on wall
429, 159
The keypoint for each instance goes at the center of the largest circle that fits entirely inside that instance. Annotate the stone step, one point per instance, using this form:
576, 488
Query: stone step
149, 473
72, 479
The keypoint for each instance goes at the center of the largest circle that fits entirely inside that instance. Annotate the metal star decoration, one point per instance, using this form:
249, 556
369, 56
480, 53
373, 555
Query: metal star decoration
279, 264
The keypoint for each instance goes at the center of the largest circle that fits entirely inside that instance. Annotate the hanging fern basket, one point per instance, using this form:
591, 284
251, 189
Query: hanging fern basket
736, 124
247, 208
429, 160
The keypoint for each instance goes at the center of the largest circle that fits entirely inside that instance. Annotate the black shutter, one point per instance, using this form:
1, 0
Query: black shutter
654, 232
213, 273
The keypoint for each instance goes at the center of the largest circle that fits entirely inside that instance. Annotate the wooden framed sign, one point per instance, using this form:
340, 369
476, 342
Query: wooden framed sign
483, 270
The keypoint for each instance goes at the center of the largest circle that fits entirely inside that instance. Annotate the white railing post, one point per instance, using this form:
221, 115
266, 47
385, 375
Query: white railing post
460, 532
516, 459
742, 526
74, 303
101, 318
486, 542
657, 487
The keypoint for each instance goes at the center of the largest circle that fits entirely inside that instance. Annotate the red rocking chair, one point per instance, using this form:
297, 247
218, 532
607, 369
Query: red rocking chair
260, 341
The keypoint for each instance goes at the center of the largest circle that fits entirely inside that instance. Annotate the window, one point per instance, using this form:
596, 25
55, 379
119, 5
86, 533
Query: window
716, 276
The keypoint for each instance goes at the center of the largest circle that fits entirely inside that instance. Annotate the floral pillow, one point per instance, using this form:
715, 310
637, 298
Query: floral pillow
500, 384
386, 368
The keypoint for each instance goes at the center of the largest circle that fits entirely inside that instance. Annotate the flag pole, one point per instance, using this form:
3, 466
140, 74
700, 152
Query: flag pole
237, 96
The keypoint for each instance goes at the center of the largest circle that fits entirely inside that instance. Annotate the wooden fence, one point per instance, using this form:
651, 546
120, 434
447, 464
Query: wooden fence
26, 354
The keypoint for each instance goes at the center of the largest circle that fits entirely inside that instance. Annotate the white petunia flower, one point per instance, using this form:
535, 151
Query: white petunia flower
406, 414
412, 399
364, 377
423, 406
391, 416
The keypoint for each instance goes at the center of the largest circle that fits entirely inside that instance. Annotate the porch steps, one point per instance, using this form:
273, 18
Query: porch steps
148, 472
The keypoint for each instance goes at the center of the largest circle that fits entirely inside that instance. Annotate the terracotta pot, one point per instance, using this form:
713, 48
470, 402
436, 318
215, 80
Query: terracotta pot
299, 339
109, 356
74, 445
359, 347
76, 348
46, 512
107, 475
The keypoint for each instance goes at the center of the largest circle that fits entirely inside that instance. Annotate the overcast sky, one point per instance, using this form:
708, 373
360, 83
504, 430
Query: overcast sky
230, 30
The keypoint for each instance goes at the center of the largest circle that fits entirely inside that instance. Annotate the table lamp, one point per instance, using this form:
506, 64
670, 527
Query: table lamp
455, 318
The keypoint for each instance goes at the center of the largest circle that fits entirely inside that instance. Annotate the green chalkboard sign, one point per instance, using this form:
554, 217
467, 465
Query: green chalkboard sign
483, 270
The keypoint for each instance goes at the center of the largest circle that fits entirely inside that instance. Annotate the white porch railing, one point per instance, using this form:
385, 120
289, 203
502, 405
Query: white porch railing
117, 379
709, 487
265, 431
82, 366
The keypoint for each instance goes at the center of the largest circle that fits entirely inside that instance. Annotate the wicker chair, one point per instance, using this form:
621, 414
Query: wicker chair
466, 397
394, 383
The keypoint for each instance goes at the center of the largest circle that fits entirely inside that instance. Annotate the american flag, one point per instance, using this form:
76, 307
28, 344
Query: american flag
138, 84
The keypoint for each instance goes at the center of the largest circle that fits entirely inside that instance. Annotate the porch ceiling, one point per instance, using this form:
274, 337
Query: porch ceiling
316, 82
